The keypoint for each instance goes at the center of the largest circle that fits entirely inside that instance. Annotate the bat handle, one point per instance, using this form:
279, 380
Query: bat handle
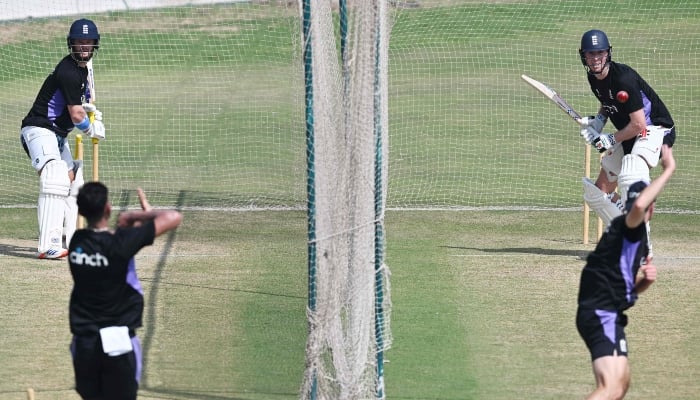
91, 116
95, 159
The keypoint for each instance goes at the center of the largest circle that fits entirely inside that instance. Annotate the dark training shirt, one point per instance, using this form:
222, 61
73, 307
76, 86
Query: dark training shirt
106, 290
607, 280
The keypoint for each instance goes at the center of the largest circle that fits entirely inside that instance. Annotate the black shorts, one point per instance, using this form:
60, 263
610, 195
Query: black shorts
98, 375
670, 137
603, 331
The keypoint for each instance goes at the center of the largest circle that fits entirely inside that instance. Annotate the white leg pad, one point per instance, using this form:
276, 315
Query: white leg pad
54, 186
634, 169
71, 209
611, 162
599, 202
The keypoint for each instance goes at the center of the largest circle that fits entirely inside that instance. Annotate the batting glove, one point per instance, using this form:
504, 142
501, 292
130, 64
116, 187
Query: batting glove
91, 108
604, 142
589, 134
596, 122
97, 130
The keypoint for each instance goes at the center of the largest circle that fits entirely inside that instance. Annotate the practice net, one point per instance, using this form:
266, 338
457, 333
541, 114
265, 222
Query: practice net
349, 302
204, 104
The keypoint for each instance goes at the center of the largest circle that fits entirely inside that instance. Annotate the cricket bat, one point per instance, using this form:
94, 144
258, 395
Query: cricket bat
554, 97
91, 115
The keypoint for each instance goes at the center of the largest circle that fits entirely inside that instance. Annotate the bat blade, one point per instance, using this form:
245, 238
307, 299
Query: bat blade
552, 95
91, 81
95, 141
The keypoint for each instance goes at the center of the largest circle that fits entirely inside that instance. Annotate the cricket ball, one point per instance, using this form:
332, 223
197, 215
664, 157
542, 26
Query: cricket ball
622, 96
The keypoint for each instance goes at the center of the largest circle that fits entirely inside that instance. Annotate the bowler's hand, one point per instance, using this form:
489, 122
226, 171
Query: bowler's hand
667, 160
648, 270
145, 205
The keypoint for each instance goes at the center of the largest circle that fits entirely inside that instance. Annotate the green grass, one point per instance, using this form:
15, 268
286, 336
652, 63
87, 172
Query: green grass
190, 92
483, 301
483, 308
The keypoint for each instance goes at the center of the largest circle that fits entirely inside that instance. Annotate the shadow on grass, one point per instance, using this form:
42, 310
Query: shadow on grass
194, 395
150, 324
580, 254
189, 285
18, 251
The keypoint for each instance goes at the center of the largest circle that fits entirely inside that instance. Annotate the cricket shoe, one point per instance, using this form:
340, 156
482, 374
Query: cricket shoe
53, 254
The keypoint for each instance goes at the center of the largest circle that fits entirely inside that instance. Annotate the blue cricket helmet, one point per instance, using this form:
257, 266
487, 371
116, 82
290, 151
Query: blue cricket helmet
83, 29
594, 40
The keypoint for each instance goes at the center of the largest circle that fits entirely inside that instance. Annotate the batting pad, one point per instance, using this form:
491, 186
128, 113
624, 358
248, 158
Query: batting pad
71, 208
599, 202
612, 163
634, 169
54, 186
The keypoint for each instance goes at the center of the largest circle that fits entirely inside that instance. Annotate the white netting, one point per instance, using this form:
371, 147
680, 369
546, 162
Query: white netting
204, 104
342, 345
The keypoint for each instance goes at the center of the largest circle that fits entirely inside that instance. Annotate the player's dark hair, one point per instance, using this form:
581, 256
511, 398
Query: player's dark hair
92, 199
633, 193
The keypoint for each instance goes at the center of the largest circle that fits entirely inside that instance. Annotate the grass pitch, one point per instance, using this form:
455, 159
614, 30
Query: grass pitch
483, 308
483, 301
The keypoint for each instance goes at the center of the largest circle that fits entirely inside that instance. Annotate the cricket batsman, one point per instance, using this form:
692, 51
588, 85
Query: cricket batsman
57, 110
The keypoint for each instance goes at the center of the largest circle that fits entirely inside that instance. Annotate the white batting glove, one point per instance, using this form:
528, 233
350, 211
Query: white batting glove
589, 134
596, 122
98, 130
95, 130
604, 142
91, 108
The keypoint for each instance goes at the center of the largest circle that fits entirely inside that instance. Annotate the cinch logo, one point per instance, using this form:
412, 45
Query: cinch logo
77, 257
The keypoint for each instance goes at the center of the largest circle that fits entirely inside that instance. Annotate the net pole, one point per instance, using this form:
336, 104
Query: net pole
379, 201
343, 11
310, 168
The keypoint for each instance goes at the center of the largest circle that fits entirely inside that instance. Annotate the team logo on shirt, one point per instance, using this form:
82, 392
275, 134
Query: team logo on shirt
79, 257
610, 109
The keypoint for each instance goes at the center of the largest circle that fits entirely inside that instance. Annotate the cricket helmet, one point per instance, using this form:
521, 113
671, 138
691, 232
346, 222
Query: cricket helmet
83, 29
594, 40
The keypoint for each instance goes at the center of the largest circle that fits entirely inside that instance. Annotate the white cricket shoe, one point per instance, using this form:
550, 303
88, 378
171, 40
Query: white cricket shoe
53, 254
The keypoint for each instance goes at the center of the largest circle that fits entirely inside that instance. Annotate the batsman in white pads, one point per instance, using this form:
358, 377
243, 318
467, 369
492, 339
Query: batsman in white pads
61, 105
641, 119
